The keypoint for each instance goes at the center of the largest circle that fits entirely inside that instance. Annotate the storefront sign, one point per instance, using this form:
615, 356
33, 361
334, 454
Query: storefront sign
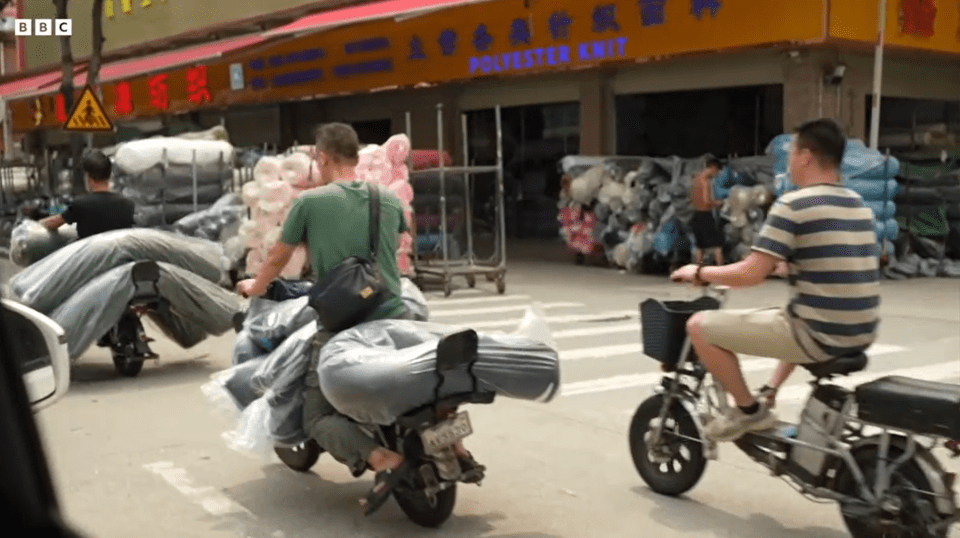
911, 24
496, 38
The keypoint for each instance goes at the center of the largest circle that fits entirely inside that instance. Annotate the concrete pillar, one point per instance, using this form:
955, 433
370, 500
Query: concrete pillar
597, 114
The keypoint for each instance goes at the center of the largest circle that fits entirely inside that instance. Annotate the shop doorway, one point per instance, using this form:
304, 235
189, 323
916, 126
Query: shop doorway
723, 122
535, 138
373, 132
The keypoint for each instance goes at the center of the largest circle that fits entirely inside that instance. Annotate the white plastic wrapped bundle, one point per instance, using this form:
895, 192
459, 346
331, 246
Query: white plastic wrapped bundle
138, 156
297, 171
267, 170
30, 241
251, 194
585, 188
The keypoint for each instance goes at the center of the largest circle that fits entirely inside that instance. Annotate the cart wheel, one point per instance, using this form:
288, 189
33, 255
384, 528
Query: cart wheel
447, 289
501, 285
471, 281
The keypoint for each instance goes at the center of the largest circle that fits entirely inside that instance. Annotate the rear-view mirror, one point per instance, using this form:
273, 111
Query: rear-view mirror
40, 347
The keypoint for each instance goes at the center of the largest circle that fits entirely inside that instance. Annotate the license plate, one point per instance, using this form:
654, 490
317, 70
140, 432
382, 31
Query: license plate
447, 433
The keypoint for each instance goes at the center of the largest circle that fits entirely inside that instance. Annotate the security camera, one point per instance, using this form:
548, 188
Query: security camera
836, 76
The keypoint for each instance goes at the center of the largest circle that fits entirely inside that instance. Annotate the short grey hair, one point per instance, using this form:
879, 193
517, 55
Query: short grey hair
339, 141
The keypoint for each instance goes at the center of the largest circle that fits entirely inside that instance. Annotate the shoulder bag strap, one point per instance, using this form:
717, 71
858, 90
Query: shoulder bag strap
374, 220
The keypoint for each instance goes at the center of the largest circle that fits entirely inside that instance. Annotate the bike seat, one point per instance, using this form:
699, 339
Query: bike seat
839, 366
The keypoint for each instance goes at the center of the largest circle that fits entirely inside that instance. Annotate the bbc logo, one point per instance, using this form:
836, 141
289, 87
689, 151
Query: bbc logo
42, 27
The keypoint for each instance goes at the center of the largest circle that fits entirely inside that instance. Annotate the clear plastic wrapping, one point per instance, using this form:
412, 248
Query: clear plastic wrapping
30, 241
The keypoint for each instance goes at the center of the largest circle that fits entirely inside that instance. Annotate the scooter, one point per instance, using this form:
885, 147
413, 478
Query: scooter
127, 340
868, 449
425, 437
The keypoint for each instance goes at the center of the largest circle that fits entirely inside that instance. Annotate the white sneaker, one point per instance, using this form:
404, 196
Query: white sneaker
735, 423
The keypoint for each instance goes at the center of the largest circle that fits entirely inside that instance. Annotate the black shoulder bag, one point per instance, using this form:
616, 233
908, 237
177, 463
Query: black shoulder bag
351, 291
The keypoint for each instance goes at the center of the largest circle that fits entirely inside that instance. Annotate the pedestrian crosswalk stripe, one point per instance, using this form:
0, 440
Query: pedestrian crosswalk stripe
601, 352
598, 331
497, 310
434, 303
510, 324
748, 363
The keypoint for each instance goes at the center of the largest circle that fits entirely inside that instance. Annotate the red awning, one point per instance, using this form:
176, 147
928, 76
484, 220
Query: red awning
41, 84
362, 13
14, 87
158, 62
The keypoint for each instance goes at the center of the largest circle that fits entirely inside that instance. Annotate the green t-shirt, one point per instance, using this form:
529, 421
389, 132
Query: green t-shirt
334, 222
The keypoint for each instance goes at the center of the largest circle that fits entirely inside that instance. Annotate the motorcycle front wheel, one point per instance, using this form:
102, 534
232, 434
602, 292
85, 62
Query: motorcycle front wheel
422, 510
677, 463
300, 458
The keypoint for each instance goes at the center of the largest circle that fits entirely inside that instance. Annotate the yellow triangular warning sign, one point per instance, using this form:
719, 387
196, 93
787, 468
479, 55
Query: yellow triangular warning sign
88, 114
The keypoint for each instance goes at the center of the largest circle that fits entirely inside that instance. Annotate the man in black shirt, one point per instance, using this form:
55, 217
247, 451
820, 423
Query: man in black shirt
100, 210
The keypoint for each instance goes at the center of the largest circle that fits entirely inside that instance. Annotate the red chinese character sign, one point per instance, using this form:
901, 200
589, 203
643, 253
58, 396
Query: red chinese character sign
159, 95
918, 17
197, 90
123, 99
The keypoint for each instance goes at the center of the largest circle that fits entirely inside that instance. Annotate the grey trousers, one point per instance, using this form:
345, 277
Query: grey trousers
341, 437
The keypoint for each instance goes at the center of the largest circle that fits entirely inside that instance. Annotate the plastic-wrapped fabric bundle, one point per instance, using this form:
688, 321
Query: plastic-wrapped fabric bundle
30, 241
380, 370
211, 223
45, 285
138, 156
197, 307
522, 365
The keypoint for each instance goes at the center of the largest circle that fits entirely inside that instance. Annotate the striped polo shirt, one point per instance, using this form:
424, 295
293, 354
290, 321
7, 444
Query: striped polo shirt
827, 235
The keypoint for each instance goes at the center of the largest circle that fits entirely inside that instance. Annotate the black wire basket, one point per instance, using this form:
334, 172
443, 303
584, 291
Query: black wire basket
663, 326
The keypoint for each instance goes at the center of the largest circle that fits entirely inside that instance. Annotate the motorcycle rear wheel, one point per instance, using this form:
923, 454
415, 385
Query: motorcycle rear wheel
301, 458
418, 508
677, 464
906, 482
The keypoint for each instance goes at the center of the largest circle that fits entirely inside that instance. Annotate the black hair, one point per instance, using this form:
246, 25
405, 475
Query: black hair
96, 165
825, 139
713, 162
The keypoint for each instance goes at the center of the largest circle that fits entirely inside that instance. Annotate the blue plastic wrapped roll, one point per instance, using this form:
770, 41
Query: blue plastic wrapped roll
874, 190
887, 229
882, 210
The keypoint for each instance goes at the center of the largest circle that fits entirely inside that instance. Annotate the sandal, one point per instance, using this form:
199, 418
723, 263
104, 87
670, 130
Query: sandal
383, 485
471, 472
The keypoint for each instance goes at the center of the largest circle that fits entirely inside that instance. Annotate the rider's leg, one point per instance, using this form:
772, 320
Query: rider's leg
698, 256
722, 365
718, 253
338, 435
780, 375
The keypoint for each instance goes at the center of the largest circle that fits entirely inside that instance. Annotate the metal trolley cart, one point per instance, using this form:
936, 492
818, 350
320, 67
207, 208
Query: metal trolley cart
447, 265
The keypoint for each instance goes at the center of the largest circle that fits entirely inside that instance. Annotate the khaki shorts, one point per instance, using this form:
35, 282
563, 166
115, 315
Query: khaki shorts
763, 332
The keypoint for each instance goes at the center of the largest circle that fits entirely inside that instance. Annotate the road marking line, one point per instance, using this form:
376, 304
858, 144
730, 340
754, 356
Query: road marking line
491, 299
601, 352
597, 331
749, 364
497, 309
930, 372
209, 499
555, 320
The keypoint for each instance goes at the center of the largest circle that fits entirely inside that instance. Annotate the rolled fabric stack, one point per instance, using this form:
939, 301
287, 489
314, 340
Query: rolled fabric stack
635, 207
276, 184
279, 181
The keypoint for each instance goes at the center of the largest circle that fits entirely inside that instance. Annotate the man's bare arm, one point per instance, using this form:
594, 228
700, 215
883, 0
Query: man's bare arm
752, 270
53, 223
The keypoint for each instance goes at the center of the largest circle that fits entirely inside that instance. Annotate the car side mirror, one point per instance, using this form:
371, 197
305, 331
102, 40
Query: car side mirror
40, 347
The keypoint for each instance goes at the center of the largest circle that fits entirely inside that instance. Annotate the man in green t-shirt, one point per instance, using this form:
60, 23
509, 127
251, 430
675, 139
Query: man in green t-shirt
333, 220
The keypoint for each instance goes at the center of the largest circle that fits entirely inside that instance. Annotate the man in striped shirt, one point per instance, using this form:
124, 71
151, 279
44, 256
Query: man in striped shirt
826, 235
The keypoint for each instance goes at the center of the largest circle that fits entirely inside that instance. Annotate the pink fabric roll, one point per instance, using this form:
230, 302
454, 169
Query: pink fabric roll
397, 149
399, 173
403, 190
275, 195
251, 194
267, 169
380, 174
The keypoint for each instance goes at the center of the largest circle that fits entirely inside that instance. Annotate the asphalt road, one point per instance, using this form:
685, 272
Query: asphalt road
144, 457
